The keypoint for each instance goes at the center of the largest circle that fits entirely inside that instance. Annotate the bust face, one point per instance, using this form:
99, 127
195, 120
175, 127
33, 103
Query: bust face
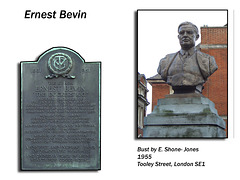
187, 36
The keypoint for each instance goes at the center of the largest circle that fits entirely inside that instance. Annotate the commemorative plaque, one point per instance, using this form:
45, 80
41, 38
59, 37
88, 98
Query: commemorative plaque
60, 112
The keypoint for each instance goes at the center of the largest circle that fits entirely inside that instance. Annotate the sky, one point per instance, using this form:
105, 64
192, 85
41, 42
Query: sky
157, 35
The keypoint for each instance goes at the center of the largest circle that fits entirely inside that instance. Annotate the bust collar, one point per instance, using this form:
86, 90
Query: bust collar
190, 51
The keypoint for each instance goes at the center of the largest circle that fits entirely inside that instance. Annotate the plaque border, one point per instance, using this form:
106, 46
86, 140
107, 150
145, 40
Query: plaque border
20, 152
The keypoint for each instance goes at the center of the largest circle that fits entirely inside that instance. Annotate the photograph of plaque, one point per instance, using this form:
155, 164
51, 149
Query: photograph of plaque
60, 112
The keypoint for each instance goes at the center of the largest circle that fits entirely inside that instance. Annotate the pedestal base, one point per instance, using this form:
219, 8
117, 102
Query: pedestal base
184, 116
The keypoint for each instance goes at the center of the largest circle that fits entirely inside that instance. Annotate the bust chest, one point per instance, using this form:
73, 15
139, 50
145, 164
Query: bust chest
184, 71
188, 65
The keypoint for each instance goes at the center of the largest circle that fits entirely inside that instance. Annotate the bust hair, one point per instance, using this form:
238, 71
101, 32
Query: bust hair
189, 23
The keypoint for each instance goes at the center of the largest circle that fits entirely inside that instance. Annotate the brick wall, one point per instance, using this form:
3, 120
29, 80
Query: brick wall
159, 91
214, 35
142, 80
216, 86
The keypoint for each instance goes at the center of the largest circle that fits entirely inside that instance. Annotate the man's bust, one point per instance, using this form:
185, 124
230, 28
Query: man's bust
188, 69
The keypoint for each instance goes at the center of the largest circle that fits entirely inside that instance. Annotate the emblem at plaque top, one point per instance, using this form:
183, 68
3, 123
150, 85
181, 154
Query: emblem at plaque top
60, 64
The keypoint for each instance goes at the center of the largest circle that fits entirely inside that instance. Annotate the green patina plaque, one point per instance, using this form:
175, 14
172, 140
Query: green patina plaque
60, 112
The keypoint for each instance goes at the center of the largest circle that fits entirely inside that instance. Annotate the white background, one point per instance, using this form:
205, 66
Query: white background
107, 35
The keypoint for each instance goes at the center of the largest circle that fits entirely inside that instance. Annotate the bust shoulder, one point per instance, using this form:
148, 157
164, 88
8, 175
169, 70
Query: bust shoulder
204, 55
164, 65
170, 56
167, 59
206, 63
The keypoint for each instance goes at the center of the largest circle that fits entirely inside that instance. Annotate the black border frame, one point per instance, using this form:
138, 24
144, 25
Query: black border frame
136, 73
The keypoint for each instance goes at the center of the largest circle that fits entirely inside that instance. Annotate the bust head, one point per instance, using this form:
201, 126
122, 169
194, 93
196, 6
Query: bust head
187, 35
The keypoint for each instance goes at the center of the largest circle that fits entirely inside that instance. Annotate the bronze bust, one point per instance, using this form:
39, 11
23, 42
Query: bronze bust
188, 69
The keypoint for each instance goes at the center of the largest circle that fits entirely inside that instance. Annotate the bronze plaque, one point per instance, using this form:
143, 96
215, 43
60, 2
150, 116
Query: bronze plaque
60, 112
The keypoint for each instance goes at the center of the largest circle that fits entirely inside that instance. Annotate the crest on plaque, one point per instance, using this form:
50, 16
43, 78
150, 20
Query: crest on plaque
60, 64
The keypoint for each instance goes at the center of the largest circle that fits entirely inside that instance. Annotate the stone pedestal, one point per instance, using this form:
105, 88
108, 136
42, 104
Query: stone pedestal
184, 116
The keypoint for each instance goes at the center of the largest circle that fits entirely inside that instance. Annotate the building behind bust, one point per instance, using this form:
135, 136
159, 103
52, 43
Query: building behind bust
214, 43
142, 102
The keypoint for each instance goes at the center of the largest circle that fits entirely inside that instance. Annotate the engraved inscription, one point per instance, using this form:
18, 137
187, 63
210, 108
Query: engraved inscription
61, 116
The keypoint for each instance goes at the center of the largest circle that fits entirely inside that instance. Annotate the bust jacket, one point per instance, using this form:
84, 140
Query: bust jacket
206, 63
